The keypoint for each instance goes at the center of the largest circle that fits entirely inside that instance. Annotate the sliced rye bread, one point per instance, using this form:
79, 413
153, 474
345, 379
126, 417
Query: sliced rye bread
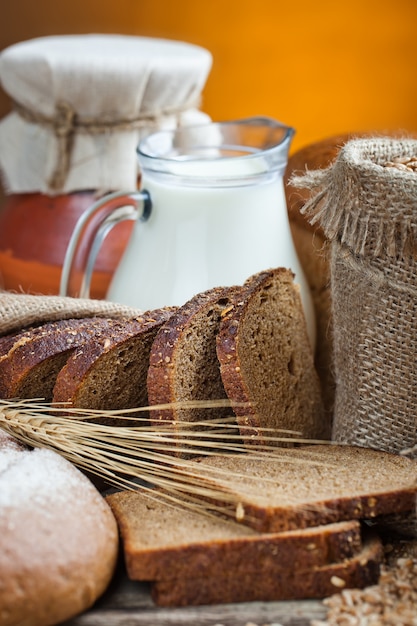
318, 582
162, 542
266, 360
308, 486
184, 367
31, 359
110, 371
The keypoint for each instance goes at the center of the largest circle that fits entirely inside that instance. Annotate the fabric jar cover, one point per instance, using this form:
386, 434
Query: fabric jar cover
366, 203
82, 103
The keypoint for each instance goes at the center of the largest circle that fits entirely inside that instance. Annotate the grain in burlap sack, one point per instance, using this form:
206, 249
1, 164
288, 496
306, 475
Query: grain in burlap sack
366, 204
367, 207
18, 310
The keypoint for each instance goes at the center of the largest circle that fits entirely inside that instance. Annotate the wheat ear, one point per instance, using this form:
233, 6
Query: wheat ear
139, 455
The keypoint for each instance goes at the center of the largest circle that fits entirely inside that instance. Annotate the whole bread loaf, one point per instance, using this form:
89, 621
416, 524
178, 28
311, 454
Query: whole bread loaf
163, 542
183, 364
310, 485
266, 361
31, 359
359, 571
110, 371
58, 538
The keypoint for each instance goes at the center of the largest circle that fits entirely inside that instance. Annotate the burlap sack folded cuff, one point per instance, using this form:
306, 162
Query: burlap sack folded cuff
366, 203
21, 310
367, 198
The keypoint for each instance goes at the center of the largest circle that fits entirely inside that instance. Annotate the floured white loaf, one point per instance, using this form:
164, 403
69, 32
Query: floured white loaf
58, 538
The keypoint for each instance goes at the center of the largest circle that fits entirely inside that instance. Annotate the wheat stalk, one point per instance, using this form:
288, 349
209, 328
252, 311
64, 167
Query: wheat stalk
128, 456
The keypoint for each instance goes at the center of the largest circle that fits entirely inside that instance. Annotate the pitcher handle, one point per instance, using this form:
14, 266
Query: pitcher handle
90, 231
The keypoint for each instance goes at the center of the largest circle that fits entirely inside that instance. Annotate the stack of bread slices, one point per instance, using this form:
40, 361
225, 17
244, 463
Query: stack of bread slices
291, 519
301, 528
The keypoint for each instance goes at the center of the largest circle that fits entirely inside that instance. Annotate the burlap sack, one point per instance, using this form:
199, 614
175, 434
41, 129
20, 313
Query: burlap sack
366, 204
20, 310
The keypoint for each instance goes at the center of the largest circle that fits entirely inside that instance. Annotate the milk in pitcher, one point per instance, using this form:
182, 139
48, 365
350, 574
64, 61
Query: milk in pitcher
203, 233
211, 212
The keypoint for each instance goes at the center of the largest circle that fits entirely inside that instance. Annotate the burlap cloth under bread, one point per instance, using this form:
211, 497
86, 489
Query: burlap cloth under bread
20, 310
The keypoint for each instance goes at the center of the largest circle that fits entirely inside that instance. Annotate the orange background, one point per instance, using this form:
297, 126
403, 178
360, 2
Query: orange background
323, 67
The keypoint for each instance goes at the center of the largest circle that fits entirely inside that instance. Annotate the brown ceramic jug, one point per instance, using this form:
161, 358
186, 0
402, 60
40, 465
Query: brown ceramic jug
35, 230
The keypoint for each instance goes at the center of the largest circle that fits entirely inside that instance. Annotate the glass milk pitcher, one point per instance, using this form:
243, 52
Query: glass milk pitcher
211, 212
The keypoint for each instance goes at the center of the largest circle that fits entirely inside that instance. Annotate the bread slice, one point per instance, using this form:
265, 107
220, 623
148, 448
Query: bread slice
110, 371
308, 486
31, 359
183, 364
266, 360
163, 542
318, 582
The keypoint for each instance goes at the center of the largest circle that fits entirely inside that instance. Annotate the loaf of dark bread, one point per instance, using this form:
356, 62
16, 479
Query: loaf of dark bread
183, 364
266, 361
31, 359
110, 371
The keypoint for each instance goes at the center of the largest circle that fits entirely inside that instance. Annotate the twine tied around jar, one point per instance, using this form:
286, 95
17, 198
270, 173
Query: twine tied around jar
366, 204
66, 123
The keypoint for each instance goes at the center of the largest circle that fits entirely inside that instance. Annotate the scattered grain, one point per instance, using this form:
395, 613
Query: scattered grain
392, 602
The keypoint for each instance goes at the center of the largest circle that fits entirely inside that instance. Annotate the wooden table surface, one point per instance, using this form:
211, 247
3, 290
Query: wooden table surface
128, 603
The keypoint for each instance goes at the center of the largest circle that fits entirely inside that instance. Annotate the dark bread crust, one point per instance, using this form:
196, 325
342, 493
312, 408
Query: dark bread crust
31, 359
319, 582
266, 361
109, 372
329, 511
163, 542
183, 364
